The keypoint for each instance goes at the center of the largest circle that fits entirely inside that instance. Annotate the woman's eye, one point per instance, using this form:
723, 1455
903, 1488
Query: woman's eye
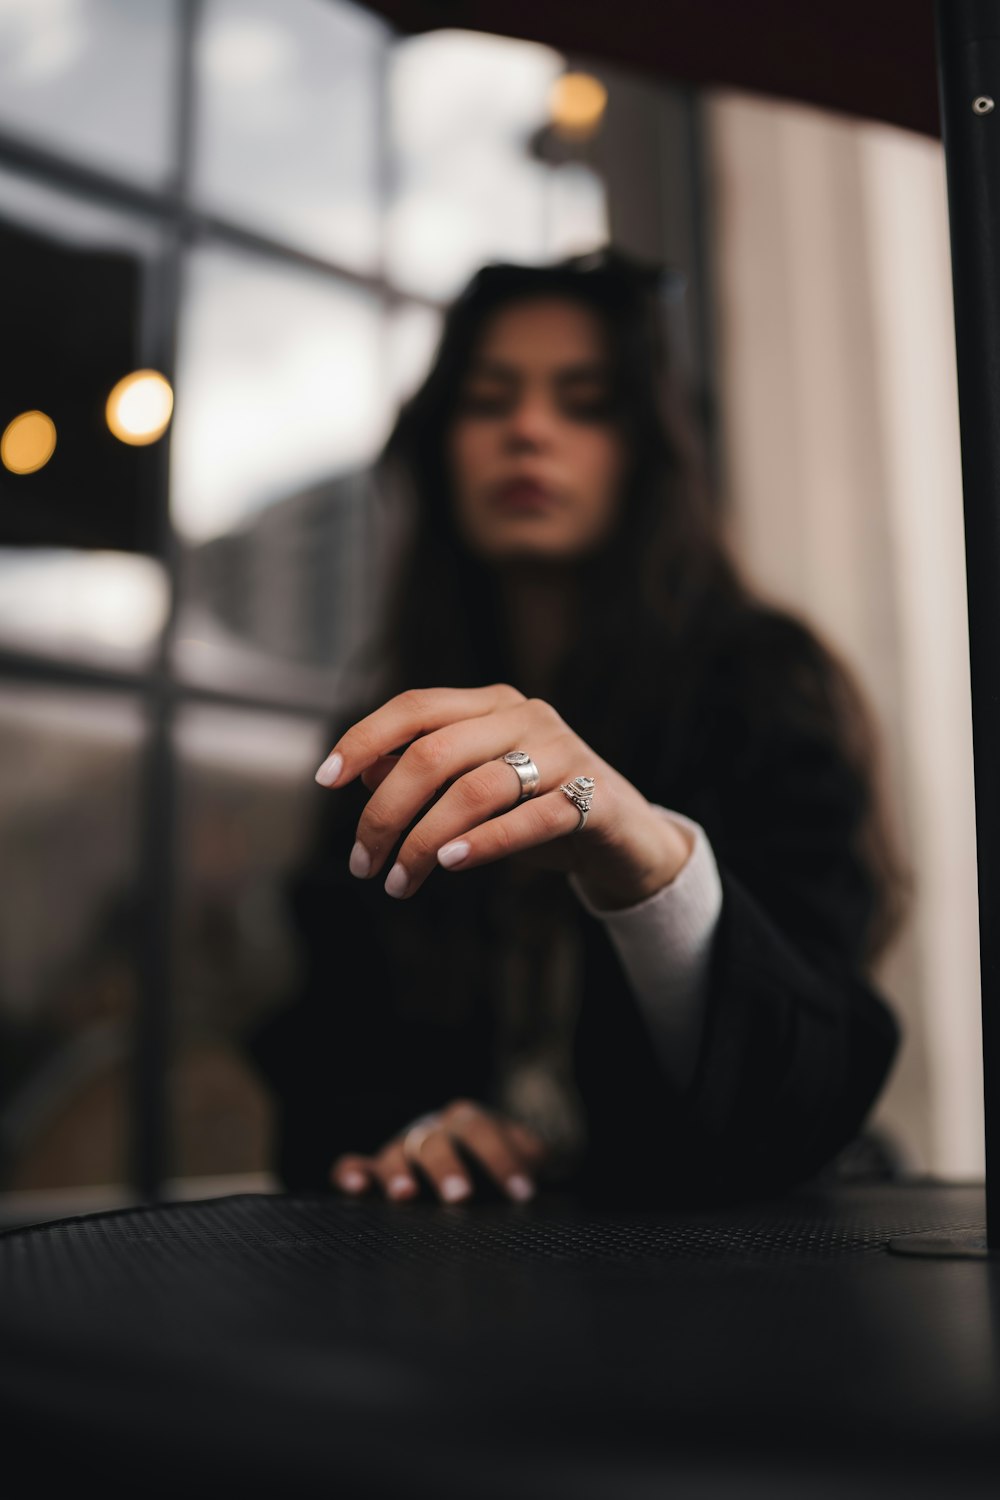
590, 411
484, 404
499, 404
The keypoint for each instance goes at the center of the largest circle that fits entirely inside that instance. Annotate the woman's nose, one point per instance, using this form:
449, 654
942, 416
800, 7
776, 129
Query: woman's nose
530, 422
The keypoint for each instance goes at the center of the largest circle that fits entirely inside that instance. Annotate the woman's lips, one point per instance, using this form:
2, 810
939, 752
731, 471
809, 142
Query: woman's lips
524, 496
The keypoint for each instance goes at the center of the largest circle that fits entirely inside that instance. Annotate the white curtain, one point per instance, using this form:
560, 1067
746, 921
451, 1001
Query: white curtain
842, 478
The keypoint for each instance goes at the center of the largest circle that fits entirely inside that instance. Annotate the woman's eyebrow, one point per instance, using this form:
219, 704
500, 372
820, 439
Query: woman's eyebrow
492, 369
589, 372
495, 369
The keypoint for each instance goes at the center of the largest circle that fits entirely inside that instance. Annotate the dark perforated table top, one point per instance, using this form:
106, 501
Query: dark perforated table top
320, 1345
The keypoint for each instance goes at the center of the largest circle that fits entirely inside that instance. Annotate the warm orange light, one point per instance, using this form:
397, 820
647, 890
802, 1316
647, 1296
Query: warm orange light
139, 408
576, 105
28, 442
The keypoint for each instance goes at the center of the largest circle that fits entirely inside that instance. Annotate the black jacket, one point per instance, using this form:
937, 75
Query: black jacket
392, 1018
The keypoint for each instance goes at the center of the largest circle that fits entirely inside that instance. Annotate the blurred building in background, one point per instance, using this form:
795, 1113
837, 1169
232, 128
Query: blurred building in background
270, 202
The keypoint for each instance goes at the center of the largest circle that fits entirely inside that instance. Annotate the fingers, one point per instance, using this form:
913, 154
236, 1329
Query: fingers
458, 765
389, 1170
374, 775
434, 1153
451, 770
496, 1149
403, 719
353, 1174
393, 1172
507, 1151
534, 823
447, 833
508, 1155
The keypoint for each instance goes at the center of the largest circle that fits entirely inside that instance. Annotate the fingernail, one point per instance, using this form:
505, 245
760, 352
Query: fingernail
453, 854
352, 1181
330, 770
453, 1188
360, 861
401, 1186
520, 1187
396, 881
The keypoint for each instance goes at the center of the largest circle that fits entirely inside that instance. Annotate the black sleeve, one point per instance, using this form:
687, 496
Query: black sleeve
796, 1042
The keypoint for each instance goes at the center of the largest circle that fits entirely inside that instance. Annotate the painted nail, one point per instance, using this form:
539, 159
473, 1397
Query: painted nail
352, 1181
402, 1186
520, 1187
453, 1188
453, 854
330, 770
360, 861
396, 881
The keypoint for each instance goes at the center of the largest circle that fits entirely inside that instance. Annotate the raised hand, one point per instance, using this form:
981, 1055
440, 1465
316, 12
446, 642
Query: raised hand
453, 772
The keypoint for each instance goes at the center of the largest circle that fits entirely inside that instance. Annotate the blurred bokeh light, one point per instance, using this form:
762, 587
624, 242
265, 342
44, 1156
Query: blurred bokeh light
139, 407
28, 442
577, 104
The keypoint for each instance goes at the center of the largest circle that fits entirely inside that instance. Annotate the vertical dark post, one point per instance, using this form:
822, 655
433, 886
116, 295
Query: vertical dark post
968, 34
159, 808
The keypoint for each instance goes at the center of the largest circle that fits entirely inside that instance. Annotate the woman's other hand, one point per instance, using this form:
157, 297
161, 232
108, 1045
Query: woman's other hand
451, 784
509, 1153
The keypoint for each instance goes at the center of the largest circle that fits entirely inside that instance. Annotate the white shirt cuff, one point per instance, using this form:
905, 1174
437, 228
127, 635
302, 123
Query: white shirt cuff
664, 944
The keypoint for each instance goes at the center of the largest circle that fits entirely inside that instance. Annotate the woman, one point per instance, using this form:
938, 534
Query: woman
600, 864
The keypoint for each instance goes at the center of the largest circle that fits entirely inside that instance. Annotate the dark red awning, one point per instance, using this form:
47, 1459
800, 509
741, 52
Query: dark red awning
864, 57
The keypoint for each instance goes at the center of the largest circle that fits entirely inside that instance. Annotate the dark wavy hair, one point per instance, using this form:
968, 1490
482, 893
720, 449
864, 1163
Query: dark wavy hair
661, 594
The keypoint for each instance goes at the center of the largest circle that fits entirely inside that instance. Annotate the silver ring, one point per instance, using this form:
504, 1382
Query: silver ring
527, 772
580, 791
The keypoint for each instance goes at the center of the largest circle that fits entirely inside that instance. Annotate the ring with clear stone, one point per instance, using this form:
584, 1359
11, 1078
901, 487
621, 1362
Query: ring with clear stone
527, 772
580, 791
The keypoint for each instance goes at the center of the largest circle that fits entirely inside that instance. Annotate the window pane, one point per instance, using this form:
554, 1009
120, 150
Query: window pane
92, 79
577, 210
103, 608
247, 790
69, 764
281, 406
85, 278
414, 330
462, 110
288, 122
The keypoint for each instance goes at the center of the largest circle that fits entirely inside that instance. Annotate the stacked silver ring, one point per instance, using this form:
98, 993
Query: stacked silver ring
527, 772
580, 791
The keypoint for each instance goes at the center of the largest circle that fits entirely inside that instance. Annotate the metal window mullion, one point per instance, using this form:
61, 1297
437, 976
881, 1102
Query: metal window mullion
22, 666
152, 1036
173, 206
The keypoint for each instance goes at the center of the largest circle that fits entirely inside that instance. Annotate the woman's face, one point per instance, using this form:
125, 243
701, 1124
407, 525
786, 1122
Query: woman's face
535, 454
